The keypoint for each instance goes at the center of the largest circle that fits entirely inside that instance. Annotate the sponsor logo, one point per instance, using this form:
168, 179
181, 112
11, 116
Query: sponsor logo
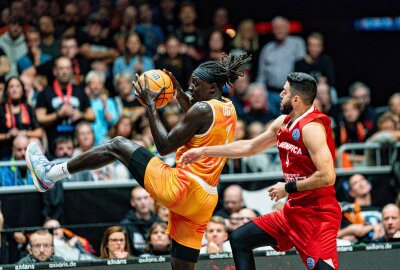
310, 263
24, 266
152, 259
116, 261
274, 253
378, 246
296, 134
344, 248
220, 256
62, 264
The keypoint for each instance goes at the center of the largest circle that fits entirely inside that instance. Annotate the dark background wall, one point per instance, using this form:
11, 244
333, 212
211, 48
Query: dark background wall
371, 57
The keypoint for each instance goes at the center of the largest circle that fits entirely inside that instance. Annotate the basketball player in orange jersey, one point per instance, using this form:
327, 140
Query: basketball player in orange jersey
311, 217
190, 194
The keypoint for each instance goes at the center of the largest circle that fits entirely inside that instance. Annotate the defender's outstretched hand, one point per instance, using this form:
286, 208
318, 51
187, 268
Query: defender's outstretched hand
191, 156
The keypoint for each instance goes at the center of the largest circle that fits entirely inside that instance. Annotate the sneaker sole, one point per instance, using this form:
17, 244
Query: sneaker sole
34, 178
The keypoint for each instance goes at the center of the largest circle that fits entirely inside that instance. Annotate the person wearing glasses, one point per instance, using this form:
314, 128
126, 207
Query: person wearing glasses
115, 244
40, 248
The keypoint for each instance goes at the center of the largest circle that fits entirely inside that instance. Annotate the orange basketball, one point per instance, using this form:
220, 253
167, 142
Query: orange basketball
157, 79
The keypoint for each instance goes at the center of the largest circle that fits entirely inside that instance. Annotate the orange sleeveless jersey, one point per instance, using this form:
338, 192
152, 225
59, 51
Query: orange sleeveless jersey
220, 132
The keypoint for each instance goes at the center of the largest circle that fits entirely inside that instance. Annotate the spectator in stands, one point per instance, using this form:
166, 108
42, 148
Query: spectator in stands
16, 175
133, 61
247, 214
246, 39
216, 46
316, 63
16, 117
34, 56
162, 212
235, 221
233, 201
5, 67
67, 245
152, 33
139, 219
157, 240
127, 103
44, 75
258, 107
104, 107
13, 44
40, 248
50, 44
188, 33
362, 94
216, 234
167, 17
361, 219
178, 63
69, 23
123, 127
115, 244
238, 94
394, 105
93, 45
85, 141
325, 98
129, 21
62, 105
351, 129
391, 223
277, 59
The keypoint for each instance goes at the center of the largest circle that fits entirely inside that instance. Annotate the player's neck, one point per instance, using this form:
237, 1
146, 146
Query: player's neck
364, 200
296, 113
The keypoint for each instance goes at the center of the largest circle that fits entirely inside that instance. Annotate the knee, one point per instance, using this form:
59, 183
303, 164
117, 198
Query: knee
117, 144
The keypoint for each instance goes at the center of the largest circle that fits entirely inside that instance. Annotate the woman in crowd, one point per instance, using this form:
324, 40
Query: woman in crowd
16, 117
115, 243
158, 241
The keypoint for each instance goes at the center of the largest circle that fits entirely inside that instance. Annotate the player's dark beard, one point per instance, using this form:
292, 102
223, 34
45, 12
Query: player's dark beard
286, 108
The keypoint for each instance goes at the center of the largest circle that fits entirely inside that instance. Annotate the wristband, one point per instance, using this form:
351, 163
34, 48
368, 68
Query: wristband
291, 187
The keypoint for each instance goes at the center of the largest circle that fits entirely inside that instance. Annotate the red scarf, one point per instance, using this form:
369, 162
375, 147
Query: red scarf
59, 93
11, 122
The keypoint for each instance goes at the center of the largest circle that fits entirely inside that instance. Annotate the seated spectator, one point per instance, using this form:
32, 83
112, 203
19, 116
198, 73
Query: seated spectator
50, 44
316, 63
394, 104
16, 175
216, 46
235, 221
16, 117
173, 60
126, 101
257, 107
67, 245
391, 223
351, 129
247, 214
238, 94
157, 240
162, 212
62, 105
40, 248
34, 56
104, 108
216, 234
361, 219
139, 219
133, 61
115, 244
85, 141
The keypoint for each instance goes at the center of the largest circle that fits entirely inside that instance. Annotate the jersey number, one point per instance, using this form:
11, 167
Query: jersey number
228, 131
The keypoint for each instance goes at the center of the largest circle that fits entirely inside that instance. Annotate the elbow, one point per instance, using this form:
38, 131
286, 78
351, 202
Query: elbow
330, 179
165, 151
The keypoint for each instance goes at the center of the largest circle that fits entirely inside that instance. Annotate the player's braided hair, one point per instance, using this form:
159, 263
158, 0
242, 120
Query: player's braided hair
226, 71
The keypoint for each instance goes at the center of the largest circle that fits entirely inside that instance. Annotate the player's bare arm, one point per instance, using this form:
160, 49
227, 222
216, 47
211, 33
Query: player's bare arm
185, 100
314, 138
236, 149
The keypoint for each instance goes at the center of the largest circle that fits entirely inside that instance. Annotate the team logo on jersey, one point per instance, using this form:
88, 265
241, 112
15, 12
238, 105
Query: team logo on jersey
310, 263
296, 134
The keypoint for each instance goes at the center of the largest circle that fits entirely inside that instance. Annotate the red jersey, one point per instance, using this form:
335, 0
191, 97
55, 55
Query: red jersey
297, 164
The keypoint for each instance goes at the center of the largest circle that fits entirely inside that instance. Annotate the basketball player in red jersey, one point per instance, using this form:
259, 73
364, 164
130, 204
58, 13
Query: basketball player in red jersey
311, 217
190, 194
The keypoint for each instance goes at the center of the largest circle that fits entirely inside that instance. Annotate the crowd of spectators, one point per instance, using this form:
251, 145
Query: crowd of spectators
66, 72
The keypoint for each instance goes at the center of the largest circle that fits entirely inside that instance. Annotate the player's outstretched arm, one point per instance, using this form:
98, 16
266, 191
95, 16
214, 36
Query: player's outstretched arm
314, 138
235, 149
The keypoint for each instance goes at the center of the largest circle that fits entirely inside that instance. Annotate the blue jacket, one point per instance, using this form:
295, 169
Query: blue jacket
11, 176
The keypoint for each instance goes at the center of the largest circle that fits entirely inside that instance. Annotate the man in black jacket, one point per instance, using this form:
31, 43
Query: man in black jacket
139, 219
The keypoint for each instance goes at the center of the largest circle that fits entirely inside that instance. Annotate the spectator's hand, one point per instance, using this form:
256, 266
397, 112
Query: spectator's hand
1, 220
191, 156
20, 238
13, 132
103, 98
379, 231
76, 115
183, 49
72, 242
36, 53
277, 191
138, 68
65, 111
113, 53
213, 248
397, 234
161, 49
121, 254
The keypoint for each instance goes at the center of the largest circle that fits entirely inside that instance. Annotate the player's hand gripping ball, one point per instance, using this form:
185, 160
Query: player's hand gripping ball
160, 85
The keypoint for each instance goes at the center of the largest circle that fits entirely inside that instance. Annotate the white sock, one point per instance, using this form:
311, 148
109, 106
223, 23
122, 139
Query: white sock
57, 172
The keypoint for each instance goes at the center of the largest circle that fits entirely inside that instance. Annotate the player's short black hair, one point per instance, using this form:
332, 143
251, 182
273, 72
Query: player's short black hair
303, 85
